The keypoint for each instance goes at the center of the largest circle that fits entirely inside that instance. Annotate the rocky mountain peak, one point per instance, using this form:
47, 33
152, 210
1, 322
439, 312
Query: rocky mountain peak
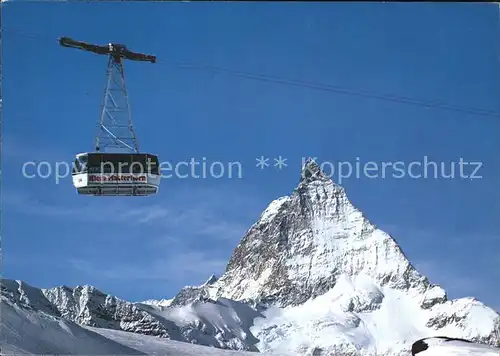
311, 171
304, 242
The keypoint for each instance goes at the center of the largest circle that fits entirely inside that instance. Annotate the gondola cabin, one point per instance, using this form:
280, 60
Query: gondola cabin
116, 174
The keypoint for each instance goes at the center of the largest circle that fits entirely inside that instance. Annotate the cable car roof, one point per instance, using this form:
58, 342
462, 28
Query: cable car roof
114, 154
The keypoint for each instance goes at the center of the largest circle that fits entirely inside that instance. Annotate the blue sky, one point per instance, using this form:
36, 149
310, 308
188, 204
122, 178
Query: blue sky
149, 248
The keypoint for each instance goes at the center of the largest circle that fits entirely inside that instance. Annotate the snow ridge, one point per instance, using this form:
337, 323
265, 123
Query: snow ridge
162, 303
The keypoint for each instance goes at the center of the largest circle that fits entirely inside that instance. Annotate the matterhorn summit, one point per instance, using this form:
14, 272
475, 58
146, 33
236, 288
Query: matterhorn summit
303, 243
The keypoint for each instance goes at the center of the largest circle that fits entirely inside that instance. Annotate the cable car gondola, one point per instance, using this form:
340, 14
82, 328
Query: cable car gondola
115, 173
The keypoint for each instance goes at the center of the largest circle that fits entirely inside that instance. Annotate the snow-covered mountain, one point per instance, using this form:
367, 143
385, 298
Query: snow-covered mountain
313, 276
213, 323
303, 243
26, 330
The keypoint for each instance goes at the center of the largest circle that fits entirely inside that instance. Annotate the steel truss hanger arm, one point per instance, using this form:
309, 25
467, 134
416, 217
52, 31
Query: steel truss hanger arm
134, 56
68, 42
117, 51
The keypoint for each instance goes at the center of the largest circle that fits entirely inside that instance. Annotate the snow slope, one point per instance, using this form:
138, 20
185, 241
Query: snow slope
25, 330
388, 323
29, 331
158, 346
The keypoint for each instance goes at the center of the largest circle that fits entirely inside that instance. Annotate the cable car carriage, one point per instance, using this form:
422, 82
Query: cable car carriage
116, 174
